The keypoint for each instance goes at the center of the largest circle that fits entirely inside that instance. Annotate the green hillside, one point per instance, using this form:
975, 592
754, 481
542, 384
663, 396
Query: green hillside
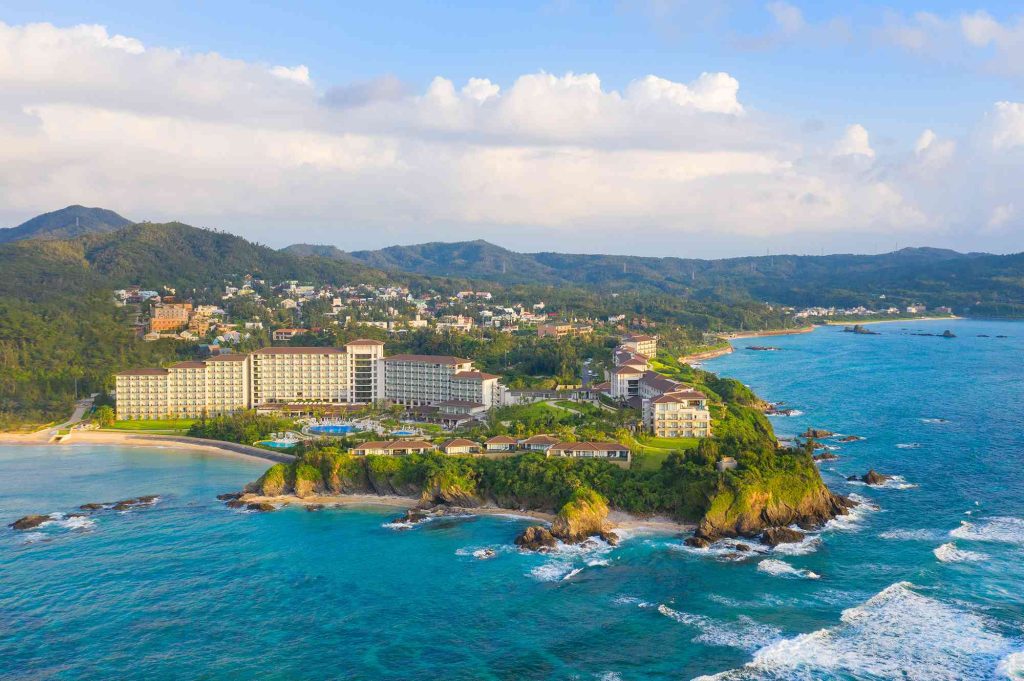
66, 223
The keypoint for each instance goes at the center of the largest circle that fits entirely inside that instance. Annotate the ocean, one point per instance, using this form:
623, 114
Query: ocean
924, 581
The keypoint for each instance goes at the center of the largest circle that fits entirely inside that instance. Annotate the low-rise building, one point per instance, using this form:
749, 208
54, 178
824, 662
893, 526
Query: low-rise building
459, 445
393, 447
538, 443
642, 344
501, 443
611, 451
282, 335
169, 317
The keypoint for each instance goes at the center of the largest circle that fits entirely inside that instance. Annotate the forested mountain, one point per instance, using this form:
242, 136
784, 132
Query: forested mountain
60, 331
973, 283
66, 223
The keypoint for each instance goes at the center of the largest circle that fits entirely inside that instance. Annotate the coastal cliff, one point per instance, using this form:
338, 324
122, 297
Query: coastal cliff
747, 507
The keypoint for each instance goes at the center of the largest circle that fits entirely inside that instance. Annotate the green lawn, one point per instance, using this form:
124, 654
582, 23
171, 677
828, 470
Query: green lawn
165, 426
650, 452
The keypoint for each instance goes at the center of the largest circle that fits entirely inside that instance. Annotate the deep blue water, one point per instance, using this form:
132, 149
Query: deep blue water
187, 589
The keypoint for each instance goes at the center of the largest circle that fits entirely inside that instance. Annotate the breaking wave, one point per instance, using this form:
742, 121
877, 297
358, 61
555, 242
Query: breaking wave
896, 634
744, 633
911, 535
949, 553
568, 560
780, 568
999, 529
909, 445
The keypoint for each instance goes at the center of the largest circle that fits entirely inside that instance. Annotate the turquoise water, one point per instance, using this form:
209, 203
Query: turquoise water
332, 430
189, 589
274, 444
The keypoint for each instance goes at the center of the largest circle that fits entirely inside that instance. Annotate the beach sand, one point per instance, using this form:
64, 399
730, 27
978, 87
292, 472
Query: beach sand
128, 439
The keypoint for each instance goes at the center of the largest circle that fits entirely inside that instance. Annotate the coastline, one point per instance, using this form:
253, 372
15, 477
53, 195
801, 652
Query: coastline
617, 520
893, 321
127, 439
736, 335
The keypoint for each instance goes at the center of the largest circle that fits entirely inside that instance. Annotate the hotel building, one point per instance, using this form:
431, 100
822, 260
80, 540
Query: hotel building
281, 376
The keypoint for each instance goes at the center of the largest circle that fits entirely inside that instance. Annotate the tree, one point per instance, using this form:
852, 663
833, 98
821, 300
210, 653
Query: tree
104, 416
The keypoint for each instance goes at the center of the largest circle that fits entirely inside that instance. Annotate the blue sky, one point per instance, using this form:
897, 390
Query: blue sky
806, 73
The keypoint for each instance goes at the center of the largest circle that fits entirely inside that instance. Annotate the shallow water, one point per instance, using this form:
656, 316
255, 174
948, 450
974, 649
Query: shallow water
902, 589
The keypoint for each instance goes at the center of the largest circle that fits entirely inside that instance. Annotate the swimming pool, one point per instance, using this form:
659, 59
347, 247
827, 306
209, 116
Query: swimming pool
276, 445
343, 429
404, 432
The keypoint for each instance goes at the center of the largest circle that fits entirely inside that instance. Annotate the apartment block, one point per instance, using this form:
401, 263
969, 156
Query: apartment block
170, 317
641, 344
683, 413
419, 380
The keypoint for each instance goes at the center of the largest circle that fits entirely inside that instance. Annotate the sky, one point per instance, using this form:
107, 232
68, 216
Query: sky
646, 127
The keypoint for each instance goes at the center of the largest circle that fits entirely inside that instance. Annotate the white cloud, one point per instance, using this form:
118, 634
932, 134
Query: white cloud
553, 161
789, 18
298, 74
854, 142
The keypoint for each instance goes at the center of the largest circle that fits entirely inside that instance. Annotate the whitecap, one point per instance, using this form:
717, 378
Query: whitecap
744, 633
723, 549
631, 600
998, 529
1012, 666
909, 445
809, 544
572, 573
898, 633
780, 568
399, 525
949, 553
566, 558
33, 537
934, 420
553, 571
911, 535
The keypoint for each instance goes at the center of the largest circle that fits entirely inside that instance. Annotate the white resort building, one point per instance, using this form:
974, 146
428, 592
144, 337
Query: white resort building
281, 377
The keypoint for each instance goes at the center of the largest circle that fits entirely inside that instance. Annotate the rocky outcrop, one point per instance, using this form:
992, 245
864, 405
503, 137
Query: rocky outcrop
452, 492
126, 504
583, 516
872, 477
825, 456
816, 433
773, 536
228, 496
697, 541
28, 522
750, 508
536, 538
260, 507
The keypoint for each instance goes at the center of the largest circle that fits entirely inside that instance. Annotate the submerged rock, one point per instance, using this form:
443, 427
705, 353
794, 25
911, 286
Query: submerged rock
92, 507
313, 508
260, 506
773, 536
126, 504
236, 503
536, 538
228, 496
28, 522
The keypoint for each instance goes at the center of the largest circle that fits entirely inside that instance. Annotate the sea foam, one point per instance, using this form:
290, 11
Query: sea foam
744, 633
998, 529
780, 568
949, 553
896, 634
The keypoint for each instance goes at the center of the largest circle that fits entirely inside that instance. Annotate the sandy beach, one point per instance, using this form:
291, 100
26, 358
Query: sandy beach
718, 352
96, 437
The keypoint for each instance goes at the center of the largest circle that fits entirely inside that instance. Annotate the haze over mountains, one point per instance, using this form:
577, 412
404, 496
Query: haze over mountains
986, 283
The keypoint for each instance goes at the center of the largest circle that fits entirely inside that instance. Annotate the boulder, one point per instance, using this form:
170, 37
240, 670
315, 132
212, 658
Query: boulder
872, 477
740, 547
235, 503
610, 537
228, 496
313, 508
536, 538
773, 536
260, 506
92, 507
698, 542
28, 522
816, 433
825, 456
